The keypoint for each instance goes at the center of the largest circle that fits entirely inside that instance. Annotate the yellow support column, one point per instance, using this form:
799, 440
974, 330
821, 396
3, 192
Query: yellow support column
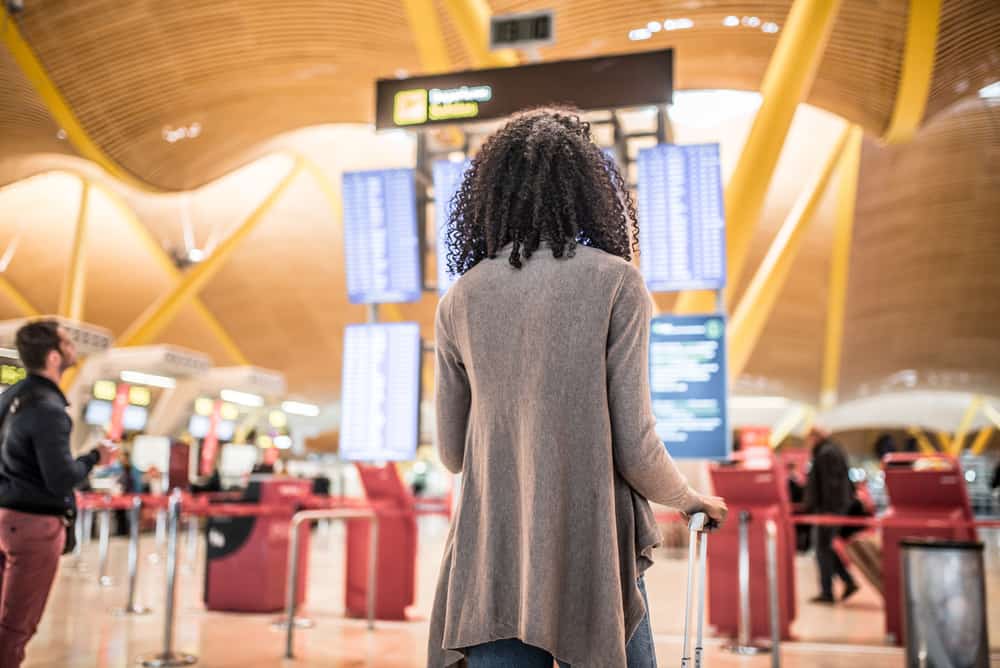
847, 173
787, 81
915, 74
75, 283
755, 307
161, 312
981, 440
924, 443
963, 427
992, 413
427, 33
472, 19
20, 301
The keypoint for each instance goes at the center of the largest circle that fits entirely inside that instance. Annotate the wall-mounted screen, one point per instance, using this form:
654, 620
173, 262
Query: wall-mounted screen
134, 418
381, 240
98, 413
682, 231
198, 426
381, 392
447, 180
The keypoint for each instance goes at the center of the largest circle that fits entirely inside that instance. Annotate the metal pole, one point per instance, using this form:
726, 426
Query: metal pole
702, 577
692, 555
192, 540
168, 658
161, 535
135, 517
78, 564
103, 547
772, 587
291, 587
88, 526
743, 644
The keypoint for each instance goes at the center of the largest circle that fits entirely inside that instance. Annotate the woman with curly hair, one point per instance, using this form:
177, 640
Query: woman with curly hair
543, 404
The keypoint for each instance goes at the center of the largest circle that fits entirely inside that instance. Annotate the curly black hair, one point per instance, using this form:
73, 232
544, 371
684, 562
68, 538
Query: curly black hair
540, 178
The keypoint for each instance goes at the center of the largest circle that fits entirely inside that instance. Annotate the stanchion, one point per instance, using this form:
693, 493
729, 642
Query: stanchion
88, 527
191, 556
771, 529
104, 546
168, 658
135, 516
77, 563
161, 533
292, 584
743, 644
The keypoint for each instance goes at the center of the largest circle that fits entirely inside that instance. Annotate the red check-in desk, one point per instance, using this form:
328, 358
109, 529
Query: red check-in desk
758, 485
247, 557
396, 556
921, 488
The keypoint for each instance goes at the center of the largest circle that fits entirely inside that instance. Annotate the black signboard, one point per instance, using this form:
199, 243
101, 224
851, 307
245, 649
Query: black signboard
609, 82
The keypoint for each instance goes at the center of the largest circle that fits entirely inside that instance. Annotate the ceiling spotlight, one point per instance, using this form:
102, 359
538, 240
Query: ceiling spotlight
991, 91
653, 26
770, 27
196, 255
731, 21
639, 34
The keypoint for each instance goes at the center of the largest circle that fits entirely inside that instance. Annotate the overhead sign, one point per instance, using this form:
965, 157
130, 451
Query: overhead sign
609, 82
447, 180
381, 240
380, 393
687, 376
521, 31
683, 232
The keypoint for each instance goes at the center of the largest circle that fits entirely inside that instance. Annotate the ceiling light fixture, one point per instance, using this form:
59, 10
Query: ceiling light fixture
639, 34
770, 27
9, 353
242, 398
991, 91
653, 26
283, 442
300, 408
731, 21
152, 380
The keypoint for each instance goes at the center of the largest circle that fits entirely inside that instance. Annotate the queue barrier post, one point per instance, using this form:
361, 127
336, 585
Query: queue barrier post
104, 544
771, 532
744, 645
292, 585
134, 519
168, 658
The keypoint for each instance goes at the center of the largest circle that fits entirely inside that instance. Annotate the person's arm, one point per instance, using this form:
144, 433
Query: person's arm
453, 395
50, 429
639, 455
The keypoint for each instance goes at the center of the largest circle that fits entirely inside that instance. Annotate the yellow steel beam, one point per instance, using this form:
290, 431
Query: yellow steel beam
788, 423
915, 74
472, 19
847, 174
755, 307
425, 24
944, 441
75, 283
982, 440
963, 426
789, 77
924, 443
57, 105
167, 265
20, 301
161, 312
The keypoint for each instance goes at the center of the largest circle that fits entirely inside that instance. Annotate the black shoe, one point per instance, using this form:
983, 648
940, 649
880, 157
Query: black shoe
849, 591
823, 599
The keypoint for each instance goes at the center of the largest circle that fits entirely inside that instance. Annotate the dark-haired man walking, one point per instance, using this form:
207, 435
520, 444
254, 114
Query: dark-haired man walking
37, 477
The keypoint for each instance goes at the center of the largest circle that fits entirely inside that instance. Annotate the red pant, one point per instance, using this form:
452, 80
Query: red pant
30, 546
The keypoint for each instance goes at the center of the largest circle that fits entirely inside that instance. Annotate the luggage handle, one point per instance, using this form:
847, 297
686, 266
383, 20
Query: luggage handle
698, 526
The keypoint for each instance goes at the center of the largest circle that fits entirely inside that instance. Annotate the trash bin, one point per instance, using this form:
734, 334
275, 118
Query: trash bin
944, 598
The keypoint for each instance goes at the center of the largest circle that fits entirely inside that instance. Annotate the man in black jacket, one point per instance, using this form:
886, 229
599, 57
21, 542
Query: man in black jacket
829, 490
37, 477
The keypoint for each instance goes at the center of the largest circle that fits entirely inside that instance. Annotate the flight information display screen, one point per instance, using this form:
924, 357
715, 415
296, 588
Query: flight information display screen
687, 377
447, 180
380, 392
381, 241
682, 231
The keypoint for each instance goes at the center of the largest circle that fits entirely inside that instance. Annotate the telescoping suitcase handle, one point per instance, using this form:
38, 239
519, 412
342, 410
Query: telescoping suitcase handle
699, 526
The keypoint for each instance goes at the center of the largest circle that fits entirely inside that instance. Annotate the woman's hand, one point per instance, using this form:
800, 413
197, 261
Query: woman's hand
713, 506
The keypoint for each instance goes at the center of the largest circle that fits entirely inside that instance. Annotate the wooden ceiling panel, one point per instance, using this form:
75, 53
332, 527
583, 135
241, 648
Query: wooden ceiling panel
923, 284
25, 124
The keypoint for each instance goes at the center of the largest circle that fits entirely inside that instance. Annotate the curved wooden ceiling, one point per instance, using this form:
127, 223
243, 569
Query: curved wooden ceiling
242, 71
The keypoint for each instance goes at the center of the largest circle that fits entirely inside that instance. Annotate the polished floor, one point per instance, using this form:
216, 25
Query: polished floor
79, 629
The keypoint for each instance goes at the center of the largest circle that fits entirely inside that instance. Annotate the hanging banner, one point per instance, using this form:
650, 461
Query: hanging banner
210, 445
118, 407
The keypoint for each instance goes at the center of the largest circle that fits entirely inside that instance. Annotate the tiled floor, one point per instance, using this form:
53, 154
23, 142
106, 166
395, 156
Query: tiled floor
79, 630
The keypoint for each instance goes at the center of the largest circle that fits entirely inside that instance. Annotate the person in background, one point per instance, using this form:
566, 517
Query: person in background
885, 444
829, 491
130, 482
37, 480
543, 404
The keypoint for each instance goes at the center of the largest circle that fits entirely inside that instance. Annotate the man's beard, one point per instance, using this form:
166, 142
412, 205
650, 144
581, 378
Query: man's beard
65, 365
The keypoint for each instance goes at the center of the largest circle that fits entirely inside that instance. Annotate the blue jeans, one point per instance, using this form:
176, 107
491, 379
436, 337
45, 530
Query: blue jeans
512, 653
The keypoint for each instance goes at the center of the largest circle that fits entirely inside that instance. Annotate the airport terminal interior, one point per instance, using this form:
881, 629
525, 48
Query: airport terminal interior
239, 213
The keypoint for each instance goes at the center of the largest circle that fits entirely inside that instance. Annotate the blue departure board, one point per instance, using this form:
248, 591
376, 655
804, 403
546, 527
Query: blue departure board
380, 393
682, 231
687, 378
381, 243
447, 180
